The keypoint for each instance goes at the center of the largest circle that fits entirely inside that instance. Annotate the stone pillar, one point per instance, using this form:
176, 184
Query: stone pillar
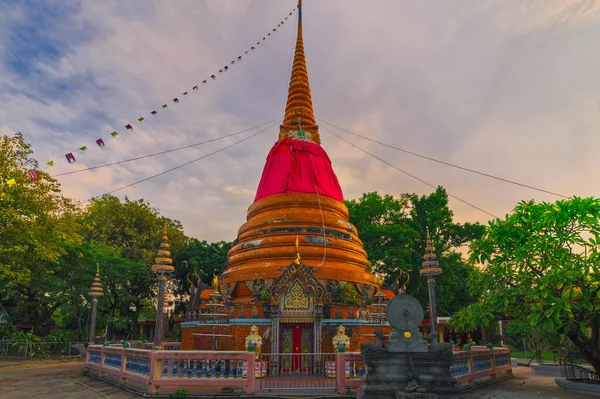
274, 363
503, 332
319, 361
93, 321
432, 305
159, 327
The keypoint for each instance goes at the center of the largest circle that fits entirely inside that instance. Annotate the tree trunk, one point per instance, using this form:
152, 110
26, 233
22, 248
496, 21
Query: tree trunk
588, 347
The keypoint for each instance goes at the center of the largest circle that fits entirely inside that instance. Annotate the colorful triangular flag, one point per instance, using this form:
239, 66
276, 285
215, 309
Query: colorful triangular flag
185, 93
33, 175
213, 77
11, 182
154, 113
141, 118
176, 100
70, 157
114, 134
129, 127
100, 143
195, 88
50, 163
164, 105
83, 148
204, 81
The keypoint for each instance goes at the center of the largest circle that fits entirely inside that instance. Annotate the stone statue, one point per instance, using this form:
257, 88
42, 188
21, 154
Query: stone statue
341, 338
406, 366
374, 346
255, 339
215, 283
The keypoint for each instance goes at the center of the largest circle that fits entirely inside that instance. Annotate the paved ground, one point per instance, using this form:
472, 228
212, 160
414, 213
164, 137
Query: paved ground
64, 380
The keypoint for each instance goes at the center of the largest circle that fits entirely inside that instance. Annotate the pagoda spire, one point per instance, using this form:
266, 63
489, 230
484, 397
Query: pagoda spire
299, 119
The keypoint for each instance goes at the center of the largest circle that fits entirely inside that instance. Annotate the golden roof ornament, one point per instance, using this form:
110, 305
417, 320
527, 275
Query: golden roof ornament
297, 260
215, 283
96, 289
163, 261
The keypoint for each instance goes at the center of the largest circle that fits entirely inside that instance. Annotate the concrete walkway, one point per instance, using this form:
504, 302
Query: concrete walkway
64, 380
523, 385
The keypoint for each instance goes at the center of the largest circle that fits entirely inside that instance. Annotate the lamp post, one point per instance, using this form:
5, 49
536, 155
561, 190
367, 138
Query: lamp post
163, 265
95, 292
431, 267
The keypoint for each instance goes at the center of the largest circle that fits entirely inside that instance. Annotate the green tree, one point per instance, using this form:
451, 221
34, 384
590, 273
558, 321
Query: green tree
541, 272
197, 258
116, 274
393, 231
36, 224
134, 230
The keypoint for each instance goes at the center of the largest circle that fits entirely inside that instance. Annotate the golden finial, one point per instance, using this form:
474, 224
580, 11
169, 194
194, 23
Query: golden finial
96, 289
297, 260
379, 283
299, 114
215, 283
163, 261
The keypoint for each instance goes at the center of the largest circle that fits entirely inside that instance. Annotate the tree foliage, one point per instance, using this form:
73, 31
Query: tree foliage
393, 231
36, 224
133, 229
541, 271
197, 259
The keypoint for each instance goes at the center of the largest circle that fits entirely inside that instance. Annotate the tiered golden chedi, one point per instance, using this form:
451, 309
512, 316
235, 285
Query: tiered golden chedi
298, 195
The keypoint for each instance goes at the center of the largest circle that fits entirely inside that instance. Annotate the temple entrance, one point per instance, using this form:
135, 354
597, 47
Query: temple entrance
296, 346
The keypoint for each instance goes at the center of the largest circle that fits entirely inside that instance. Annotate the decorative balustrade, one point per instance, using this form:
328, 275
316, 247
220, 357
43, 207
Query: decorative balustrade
354, 367
174, 368
480, 363
223, 369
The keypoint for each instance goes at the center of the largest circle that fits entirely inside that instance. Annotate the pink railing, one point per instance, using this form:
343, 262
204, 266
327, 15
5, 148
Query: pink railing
220, 369
175, 369
354, 369
480, 364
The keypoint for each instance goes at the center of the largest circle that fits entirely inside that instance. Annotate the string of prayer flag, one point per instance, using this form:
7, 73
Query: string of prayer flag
100, 142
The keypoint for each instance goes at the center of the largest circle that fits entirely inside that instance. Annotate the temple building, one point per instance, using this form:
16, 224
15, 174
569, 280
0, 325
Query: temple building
298, 269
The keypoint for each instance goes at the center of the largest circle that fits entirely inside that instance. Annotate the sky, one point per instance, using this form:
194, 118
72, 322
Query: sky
506, 87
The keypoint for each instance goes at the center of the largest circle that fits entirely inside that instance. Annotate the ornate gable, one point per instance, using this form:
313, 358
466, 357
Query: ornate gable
297, 280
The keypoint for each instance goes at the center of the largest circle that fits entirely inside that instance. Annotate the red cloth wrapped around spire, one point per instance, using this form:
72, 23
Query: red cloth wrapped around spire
297, 166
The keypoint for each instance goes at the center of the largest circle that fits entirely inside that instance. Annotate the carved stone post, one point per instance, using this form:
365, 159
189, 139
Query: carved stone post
159, 327
319, 362
95, 292
274, 366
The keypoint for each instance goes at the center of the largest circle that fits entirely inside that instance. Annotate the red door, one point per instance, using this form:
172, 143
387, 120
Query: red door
296, 345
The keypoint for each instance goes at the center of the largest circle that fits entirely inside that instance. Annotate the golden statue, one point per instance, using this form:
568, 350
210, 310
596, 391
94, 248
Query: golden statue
215, 283
379, 283
341, 338
255, 339
297, 260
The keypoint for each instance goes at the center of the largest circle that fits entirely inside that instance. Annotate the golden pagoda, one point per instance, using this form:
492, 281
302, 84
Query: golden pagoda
297, 258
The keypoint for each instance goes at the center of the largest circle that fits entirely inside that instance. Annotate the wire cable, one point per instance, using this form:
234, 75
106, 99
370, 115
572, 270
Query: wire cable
408, 174
166, 151
447, 163
187, 163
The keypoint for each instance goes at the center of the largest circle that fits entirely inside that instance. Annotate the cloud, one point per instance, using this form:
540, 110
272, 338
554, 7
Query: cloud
509, 88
